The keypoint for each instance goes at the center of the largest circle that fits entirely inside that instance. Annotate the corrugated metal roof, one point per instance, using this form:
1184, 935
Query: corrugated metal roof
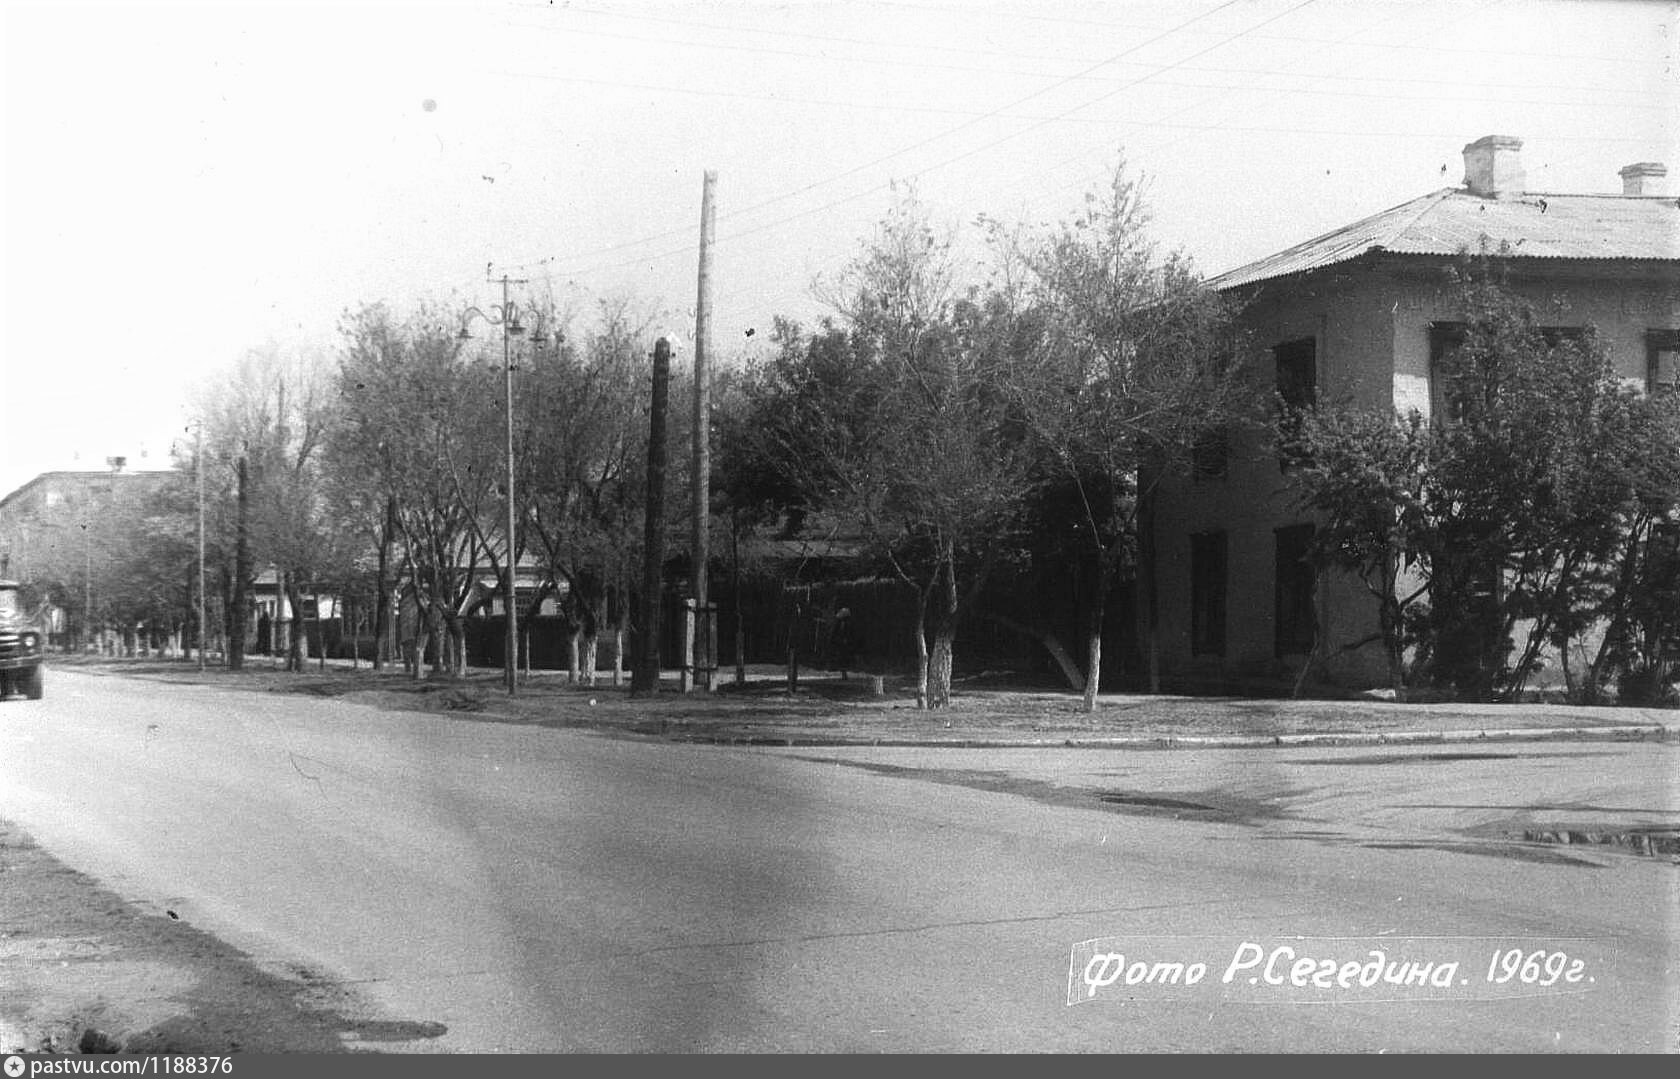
1448, 221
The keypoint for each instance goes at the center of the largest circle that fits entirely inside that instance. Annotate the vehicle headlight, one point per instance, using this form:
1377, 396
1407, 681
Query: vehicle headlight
31, 642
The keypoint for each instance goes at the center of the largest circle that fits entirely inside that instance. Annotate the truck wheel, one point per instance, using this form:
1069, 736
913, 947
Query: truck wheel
32, 684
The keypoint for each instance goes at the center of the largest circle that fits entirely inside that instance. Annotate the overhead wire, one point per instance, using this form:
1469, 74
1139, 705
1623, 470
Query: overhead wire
965, 125
580, 266
921, 63
1478, 51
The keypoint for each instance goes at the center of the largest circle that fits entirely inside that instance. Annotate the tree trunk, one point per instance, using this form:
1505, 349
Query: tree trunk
382, 620
940, 664
939, 668
588, 658
1094, 619
1093, 663
295, 638
921, 655
574, 655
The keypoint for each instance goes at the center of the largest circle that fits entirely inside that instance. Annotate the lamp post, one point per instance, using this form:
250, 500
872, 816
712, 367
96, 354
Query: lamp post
198, 460
506, 316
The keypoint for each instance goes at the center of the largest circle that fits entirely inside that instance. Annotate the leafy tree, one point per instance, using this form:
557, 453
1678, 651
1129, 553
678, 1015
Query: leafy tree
420, 426
587, 479
896, 419
1515, 517
1129, 364
270, 411
1362, 475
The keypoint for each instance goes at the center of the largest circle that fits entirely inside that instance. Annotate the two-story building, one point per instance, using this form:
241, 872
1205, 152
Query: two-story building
59, 523
1357, 316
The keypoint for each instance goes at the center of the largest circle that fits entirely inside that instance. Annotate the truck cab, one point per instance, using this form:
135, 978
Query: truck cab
22, 647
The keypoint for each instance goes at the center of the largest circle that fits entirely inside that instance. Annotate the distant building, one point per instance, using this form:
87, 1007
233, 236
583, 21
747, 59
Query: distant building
34, 517
56, 520
1361, 316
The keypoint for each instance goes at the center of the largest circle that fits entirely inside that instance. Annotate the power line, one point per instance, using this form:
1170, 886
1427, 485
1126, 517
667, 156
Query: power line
921, 63
950, 131
1263, 37
948, 161
897, 106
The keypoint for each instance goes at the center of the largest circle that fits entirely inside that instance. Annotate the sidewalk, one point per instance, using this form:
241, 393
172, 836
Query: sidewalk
828, 710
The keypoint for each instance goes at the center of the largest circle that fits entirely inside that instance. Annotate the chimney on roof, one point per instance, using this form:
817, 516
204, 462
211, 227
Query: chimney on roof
1644, 178
1492, 168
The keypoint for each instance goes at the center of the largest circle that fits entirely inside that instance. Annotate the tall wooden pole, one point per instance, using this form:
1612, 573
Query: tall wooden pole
705, 648
198, 454
241, 574
510, 672
645, 679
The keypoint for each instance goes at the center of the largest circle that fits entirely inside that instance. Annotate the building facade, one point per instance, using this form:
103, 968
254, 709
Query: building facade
1357, 317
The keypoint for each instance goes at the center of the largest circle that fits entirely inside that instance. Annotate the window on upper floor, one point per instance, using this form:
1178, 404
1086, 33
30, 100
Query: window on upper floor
1662, 361
1445, 339
1297, 384
1211, 452
1297, 372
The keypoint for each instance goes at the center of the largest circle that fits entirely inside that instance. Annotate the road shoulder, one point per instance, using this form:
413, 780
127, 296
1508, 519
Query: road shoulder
76, 958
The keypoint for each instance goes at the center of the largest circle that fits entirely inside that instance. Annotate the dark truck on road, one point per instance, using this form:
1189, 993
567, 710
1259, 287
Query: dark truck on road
20, 647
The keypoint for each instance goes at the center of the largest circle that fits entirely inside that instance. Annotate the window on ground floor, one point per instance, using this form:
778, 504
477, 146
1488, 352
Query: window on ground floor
1207, 593
1295, 584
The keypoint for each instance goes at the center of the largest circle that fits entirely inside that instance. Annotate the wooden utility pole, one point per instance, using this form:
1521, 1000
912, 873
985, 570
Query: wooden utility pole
510, 587
704, 658
645, 680
241, 575
198, 459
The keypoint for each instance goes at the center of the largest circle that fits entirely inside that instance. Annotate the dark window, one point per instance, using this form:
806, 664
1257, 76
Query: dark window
1445, 338
1211, 452
1297, 372
1295, 580
1207, 593
1662, 361
1297, 385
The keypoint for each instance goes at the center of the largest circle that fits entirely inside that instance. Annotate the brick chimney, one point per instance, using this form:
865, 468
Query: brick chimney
1644, 178
1492, 167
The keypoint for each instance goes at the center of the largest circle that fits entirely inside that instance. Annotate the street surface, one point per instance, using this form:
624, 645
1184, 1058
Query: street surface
532, 890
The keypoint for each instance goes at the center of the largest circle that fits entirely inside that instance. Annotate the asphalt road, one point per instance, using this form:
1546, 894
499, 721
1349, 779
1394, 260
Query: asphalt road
542, 890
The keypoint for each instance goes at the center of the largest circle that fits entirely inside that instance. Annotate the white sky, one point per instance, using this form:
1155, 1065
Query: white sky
187, 182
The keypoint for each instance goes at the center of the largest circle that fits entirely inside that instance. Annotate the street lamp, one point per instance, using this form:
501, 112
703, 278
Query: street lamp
506, 316
198, 460
197, 428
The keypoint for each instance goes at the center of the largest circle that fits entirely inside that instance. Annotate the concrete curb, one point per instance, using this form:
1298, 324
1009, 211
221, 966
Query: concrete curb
1281, 741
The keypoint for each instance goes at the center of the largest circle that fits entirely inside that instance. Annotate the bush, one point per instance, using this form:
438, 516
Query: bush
1647, 687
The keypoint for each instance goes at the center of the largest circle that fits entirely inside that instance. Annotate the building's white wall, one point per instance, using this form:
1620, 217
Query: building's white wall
1371, 323
1350, 316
